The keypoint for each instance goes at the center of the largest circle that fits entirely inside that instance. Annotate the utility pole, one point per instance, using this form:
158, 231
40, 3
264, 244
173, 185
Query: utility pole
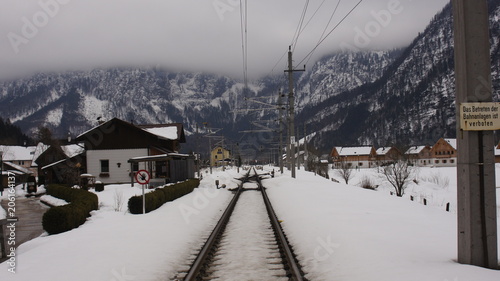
297, 148
280, 120
306, 154
291, 108
198, 156
476, 198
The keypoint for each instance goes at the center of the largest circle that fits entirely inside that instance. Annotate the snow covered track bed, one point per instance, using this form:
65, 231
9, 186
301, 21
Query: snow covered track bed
248, 241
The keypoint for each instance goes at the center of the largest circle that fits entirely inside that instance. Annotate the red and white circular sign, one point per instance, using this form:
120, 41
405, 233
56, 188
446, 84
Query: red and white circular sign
142, 177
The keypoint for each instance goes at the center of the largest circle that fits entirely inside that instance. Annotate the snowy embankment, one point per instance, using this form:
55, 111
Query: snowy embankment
344, 232
118, 245
339, 232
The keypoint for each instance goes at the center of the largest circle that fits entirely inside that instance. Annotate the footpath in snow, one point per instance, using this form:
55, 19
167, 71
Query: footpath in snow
339, 232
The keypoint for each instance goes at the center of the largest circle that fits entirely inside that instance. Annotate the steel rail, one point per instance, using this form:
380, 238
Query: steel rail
294, 268
199, 262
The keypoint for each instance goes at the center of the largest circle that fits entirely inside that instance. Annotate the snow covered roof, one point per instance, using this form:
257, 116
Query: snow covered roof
358, 150
53, 164
383, 150
166, 131
415, 149
452, 142
17, 167
72, 150
158, 157
14, 152
40, 148
174, 131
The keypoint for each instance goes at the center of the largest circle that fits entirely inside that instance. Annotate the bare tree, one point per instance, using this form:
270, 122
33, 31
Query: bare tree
344, 170
399, 174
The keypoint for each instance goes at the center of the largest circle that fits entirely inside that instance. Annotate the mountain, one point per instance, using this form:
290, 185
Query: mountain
413, 102
403, 96
72, 101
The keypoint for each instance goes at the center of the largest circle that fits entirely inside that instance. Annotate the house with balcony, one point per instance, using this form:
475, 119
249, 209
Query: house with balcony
444, 153
356, 157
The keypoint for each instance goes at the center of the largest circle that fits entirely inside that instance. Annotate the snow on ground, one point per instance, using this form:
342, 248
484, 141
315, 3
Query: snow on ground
116, 245
343, 232
339, 232
52, 201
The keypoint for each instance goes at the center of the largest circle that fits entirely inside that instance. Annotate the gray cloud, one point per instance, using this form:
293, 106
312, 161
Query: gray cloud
192, 35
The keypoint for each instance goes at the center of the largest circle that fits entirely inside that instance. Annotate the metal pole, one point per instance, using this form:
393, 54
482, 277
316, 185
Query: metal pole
291, 102
280, 151
306, 154
143, 201
291, 107
476, 194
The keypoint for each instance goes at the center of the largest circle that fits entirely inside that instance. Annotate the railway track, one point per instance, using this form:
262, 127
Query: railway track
247, 243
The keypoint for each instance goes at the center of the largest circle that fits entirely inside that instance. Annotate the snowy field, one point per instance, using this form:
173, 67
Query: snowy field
339, 232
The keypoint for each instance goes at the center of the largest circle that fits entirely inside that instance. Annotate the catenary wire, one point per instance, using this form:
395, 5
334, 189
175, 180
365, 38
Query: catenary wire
330, 32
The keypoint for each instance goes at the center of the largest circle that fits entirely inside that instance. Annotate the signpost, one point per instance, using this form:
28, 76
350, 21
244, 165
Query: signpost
476, 192
143, 178
480, 116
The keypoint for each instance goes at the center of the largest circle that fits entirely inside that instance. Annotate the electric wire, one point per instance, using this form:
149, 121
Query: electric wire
299, 26
330, 32
326, 27
244, 42
307, 23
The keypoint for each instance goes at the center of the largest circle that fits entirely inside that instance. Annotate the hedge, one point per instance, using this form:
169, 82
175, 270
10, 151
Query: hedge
63, 218
160, 196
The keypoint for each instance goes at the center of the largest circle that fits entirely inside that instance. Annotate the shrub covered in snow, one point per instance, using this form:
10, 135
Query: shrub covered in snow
160, 196
63, 218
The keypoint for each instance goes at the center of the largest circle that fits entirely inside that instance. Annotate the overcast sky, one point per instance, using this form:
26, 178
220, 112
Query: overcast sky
195, 35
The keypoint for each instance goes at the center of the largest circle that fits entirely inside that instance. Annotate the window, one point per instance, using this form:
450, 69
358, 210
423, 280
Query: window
452, 161
444, 161
104, 166
135, 166
436, 161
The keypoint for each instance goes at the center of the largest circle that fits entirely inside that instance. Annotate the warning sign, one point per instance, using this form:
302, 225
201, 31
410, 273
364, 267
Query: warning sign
480, 116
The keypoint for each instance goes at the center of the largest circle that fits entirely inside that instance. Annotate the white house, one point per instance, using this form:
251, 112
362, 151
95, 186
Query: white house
111, 145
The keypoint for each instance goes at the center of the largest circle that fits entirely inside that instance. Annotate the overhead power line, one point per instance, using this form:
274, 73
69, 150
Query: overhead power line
299, 26
330, 32
244, 40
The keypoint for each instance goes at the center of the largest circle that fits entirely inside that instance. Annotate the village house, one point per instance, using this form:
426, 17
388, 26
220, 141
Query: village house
387, 154
61, 163
419, 155
220, 156
21, 156
355, 157
116, 150
444, 153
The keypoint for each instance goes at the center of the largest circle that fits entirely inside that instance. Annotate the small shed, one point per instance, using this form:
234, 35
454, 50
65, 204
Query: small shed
165, 168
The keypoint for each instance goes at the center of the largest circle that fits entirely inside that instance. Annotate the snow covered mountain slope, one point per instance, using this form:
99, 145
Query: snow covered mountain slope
414, 100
